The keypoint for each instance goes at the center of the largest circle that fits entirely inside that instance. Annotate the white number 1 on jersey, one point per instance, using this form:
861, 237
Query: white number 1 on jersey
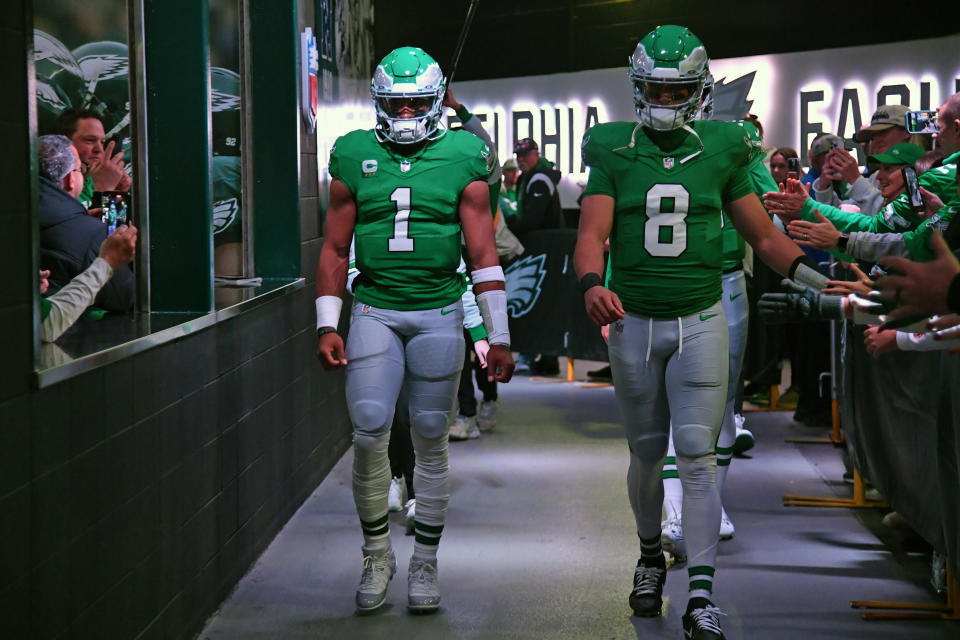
401, 222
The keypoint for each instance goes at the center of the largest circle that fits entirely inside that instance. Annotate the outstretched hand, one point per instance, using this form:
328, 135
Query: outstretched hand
788, 201
919, 287
821, 234
862, 286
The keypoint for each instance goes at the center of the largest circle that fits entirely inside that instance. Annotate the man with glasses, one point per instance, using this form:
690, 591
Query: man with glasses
70, 239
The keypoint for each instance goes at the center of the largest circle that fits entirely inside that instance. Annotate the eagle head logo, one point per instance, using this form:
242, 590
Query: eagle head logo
523, 279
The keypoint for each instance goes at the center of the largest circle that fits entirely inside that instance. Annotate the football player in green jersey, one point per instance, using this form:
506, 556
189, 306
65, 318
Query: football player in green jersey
656, 188
734, 301
404, 191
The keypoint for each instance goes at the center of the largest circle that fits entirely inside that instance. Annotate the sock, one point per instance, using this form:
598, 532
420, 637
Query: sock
651, 553
724, 450
376, 534
371, 484
701, 582
672, 488
431, 478
426, 539
698, 602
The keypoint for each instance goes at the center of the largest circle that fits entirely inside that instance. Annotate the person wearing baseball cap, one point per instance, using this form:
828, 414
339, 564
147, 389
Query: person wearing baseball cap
888, 127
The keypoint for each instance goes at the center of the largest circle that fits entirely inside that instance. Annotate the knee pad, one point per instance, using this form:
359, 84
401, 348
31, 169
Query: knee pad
649, 448
430, 424
371, 417
694, 440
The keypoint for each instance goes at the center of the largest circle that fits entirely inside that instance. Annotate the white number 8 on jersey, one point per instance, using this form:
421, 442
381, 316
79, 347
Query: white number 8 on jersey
656, 219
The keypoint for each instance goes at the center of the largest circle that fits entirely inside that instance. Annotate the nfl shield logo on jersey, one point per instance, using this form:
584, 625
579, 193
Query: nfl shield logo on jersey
404, 166
668, 163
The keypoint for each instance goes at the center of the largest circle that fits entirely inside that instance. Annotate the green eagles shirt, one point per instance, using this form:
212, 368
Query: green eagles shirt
665, 246
407, 232
898, 216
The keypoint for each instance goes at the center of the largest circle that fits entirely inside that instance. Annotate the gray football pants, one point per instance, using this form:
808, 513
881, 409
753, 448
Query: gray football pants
384, 349
673, 370
736, 310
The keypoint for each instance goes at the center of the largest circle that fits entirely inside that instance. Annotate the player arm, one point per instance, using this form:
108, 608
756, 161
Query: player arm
596, 220
773, 247
335, 254
487, 278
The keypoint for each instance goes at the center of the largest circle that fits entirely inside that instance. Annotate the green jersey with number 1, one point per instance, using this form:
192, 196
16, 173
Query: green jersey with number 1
407, 232
665, 246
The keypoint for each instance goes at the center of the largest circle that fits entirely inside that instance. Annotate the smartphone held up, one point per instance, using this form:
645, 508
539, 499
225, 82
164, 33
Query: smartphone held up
115, 211
922, 122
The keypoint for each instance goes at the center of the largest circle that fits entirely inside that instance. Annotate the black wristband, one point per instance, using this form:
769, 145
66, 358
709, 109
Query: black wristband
953, 294
589, 281
804, 259
322, 331
842, 241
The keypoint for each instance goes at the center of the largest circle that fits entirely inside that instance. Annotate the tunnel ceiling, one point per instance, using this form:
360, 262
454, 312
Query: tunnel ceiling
532, 37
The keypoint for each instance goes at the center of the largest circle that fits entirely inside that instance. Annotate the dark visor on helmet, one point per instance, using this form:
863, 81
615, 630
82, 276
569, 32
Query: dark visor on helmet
415, 106
666, 93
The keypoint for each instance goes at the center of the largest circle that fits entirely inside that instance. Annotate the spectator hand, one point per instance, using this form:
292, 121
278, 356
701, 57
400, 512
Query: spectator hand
108, 172
880, 341
920, 287
119, 247
941, 323
603, 305
481, 347
931, 204
499, 363
862, 286
821, 235
605, 333
787, 202
44, 280
125, 182
947, 328
799, 304
844, 165
330, 351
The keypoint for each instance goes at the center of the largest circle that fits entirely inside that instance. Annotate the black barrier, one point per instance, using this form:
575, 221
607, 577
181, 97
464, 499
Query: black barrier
890, 415
544, 302
948, 457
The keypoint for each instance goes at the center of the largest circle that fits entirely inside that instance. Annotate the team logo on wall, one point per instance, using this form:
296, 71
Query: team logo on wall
730, 98
309, 78
522, 280
224, 213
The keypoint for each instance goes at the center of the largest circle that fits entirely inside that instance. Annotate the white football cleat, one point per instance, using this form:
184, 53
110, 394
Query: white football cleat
726, 526
465, 428
395, 496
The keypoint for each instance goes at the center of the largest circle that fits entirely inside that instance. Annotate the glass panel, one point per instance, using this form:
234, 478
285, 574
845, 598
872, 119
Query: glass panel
83, 101
225, 92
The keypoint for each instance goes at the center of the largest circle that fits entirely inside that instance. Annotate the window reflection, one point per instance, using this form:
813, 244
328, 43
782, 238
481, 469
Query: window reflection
228, 256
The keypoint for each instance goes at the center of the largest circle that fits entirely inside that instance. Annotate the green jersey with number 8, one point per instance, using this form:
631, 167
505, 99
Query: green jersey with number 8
665, 245
407, 232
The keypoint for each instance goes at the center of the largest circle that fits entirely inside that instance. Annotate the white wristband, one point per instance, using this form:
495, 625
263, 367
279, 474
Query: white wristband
487, 274
328, 311
865, 311
493, 308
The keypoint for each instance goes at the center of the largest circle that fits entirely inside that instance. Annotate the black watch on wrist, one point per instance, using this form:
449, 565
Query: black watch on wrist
842, 241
